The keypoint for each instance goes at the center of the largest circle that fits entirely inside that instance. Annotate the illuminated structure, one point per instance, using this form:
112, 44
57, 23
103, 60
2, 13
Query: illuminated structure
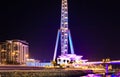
14, 52
65, 38
64, 32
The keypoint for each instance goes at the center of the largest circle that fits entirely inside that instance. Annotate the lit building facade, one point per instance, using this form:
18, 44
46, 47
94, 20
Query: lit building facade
14, 52
70, 59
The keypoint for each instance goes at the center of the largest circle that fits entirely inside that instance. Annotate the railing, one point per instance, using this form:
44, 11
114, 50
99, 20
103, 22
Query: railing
105, 62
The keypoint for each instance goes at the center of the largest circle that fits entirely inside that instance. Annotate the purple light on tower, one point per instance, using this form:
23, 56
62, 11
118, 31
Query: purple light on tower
64, 33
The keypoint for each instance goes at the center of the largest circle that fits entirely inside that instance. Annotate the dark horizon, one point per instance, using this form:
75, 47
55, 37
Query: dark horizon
94, 26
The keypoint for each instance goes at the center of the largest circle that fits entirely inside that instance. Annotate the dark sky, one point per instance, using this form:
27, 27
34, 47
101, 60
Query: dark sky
94, 26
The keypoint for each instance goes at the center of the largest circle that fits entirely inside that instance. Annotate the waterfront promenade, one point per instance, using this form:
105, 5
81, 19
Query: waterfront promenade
25, 71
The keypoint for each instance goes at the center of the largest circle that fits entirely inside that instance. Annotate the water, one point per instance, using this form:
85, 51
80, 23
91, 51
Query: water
89, 75
52, 74
100, 75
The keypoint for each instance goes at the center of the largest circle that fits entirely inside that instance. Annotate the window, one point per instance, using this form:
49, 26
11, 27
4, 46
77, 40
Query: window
15, 47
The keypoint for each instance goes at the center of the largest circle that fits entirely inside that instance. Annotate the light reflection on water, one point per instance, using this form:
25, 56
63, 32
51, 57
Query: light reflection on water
99, 75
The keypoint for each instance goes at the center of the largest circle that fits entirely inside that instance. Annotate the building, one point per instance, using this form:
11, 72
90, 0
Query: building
32, 62
70, 59
37, 63
14, 52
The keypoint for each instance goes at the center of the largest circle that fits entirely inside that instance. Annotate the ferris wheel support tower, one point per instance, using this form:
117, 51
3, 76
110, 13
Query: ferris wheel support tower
64, 34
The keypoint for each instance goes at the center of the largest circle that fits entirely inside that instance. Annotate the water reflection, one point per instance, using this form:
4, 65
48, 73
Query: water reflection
99, 75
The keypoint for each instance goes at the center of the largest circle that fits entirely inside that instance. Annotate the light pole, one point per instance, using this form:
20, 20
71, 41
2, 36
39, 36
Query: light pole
106, 61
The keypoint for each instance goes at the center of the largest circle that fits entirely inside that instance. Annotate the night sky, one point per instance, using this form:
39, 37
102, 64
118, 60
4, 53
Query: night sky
94, 26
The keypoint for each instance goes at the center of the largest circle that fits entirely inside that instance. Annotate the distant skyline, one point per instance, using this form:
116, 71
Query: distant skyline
94, 25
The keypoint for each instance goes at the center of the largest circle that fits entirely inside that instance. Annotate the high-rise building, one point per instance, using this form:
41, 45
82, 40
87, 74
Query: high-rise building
14, 52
